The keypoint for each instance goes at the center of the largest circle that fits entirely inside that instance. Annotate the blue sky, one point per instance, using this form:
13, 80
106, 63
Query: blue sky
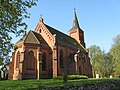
99, 19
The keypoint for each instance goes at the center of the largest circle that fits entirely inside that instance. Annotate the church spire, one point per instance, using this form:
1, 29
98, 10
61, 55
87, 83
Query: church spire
76, 32
75, 21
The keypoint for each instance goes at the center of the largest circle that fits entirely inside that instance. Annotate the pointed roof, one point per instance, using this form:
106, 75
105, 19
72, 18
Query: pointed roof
32, 37
75, 21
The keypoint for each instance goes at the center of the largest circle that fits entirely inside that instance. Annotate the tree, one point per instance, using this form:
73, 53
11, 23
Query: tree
101, 62
106, 65
93, 50
115, 52
94, 53
12, 14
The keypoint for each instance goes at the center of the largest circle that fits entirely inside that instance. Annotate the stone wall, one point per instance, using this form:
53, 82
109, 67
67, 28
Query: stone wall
108, 85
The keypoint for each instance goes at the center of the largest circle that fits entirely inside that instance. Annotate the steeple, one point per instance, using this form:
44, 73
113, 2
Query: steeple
75, 21
76, 32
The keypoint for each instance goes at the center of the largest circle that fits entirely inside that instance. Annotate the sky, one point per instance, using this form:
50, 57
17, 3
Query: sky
99, 19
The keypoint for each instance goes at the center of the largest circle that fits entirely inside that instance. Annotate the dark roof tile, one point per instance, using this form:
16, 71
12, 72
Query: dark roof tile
65, 39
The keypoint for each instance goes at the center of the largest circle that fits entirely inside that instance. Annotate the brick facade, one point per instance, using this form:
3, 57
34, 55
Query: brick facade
47, 52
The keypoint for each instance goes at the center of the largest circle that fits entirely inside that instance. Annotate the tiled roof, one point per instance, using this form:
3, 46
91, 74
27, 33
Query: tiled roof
38, 36
65, 39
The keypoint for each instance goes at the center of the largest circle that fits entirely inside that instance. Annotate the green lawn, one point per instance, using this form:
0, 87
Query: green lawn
32, 84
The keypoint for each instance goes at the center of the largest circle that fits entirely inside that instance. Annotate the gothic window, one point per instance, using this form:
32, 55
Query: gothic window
61, 58
44, 62
40, 31
31, 60
17, 59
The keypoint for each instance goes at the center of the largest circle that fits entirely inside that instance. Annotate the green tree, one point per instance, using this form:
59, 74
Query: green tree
101, 62
93, 50
115, 52
106, 65
12, 14
94, 53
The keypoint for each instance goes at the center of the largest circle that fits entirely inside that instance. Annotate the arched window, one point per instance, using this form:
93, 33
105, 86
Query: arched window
31, 60
17, 59
40, 31
44, 62
61, 59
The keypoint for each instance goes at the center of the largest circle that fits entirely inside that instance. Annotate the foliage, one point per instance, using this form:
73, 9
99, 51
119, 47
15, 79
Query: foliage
94, 50
65, 78
70, 77
12, 14
102, 63
39, 84
74, 77
106, 64
95, 53
58, 78
115, 52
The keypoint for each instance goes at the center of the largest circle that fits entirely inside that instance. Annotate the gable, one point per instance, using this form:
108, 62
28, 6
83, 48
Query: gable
31, 38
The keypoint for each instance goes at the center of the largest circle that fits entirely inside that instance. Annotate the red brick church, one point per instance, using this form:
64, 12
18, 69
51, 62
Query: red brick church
47, 52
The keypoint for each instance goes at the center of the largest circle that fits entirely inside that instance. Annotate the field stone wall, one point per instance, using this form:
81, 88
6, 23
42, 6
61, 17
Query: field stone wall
108, 85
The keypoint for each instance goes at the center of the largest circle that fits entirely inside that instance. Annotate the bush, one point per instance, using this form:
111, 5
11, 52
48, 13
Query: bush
65, 78
74, 77
58, 78
70, 77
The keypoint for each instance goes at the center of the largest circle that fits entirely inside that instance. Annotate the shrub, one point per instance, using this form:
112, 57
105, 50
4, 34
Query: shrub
58, 78
74, 77
70, 77
65, 78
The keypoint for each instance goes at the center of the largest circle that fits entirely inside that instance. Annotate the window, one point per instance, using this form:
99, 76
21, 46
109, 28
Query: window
40, 31
31, 60
17, 59
61, 58
44, 62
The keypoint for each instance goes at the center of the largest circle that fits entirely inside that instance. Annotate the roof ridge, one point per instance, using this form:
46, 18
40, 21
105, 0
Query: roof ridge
59, 32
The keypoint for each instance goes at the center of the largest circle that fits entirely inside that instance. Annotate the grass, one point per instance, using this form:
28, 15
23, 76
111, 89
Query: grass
32, 84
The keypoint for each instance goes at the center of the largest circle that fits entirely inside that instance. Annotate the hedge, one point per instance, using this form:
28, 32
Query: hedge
71, 77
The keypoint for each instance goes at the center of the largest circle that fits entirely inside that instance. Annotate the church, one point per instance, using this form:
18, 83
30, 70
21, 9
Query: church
47, 52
